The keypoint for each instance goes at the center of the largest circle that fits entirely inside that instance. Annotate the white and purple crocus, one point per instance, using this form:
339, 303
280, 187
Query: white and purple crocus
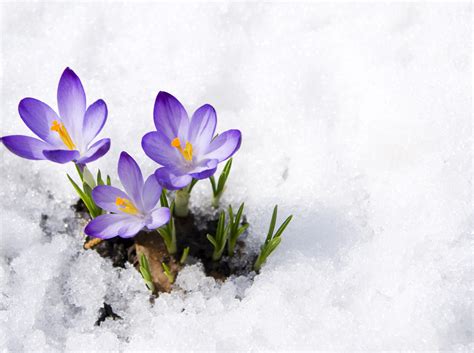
186, 149
131, 210
65, 137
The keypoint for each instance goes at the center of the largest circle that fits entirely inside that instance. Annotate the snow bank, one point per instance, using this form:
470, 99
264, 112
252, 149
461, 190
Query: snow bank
356, 119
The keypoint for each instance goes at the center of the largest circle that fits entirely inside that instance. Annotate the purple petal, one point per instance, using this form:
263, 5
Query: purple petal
169, 180
224, 145
105, 196
204, 169
111, 225
94, 121
25, 146
158, 147
72, 103
131, 178
96, 151
170, 116
61, 156
151, 193
158, 217
202, 128
39, 117
131, 229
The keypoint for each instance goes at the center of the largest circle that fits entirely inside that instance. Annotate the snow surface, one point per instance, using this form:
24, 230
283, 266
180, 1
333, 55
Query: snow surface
356, 118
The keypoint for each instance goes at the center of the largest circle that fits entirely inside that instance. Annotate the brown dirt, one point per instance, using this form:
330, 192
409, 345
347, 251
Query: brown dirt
120, 250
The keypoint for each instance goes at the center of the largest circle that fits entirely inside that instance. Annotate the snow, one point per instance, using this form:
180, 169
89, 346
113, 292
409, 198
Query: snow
356, 119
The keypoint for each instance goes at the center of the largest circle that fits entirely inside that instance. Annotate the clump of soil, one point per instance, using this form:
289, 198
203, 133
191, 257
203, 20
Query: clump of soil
105, 312
190, 232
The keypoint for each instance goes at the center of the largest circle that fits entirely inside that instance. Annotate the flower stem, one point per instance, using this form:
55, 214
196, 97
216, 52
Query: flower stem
181, 203
216, 200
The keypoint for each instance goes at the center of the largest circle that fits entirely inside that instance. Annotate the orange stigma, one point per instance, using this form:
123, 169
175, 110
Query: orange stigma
125, 205
187, 152
63, 134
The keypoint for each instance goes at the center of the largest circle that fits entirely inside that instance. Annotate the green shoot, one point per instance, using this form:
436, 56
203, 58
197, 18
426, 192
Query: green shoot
184, 256
234, 229
168, 231
219, 240
88, 178
191, 185
218, 189
167, 272
145, 271
272, 241
88, 184
86, 196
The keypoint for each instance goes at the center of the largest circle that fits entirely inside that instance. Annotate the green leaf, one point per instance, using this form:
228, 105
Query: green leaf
167, 271
223, 177
242, 229
99, 178
272, 224
213, 185
109, 182
212, 240
90, 206
88, 178
283, 227
191, 185
172, 207
231, 215
79, 171
145, 272
184, 256
164, 199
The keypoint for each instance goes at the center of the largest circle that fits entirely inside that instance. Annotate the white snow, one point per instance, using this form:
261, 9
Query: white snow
356, 119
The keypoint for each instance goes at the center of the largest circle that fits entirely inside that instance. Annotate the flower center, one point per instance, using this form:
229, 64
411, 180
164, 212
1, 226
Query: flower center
187, 152
125, 205
63, 134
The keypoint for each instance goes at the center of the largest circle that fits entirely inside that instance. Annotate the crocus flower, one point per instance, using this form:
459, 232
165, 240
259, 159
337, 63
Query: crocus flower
65, 137
186, 149
130, 210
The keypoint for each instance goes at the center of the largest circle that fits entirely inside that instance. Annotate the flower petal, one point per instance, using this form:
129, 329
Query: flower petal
131, 178
25, 146
105, 196
158, 217
204, 169
169, 180
130, 229
72, 104
202, 128
61, 156
39, 117
111, 225
170, 116
158, 147
94, 121
224, 145
151, 193
96, 151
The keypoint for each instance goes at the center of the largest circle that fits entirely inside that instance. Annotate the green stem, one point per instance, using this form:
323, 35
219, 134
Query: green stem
181, 203
216, 200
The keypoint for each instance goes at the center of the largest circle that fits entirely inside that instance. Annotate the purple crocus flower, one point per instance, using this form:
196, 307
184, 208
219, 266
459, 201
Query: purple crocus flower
186, 149
65, 137
130, 210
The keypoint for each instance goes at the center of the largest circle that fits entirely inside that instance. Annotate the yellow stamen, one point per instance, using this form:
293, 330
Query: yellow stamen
125, 205
63, 134
187, 152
